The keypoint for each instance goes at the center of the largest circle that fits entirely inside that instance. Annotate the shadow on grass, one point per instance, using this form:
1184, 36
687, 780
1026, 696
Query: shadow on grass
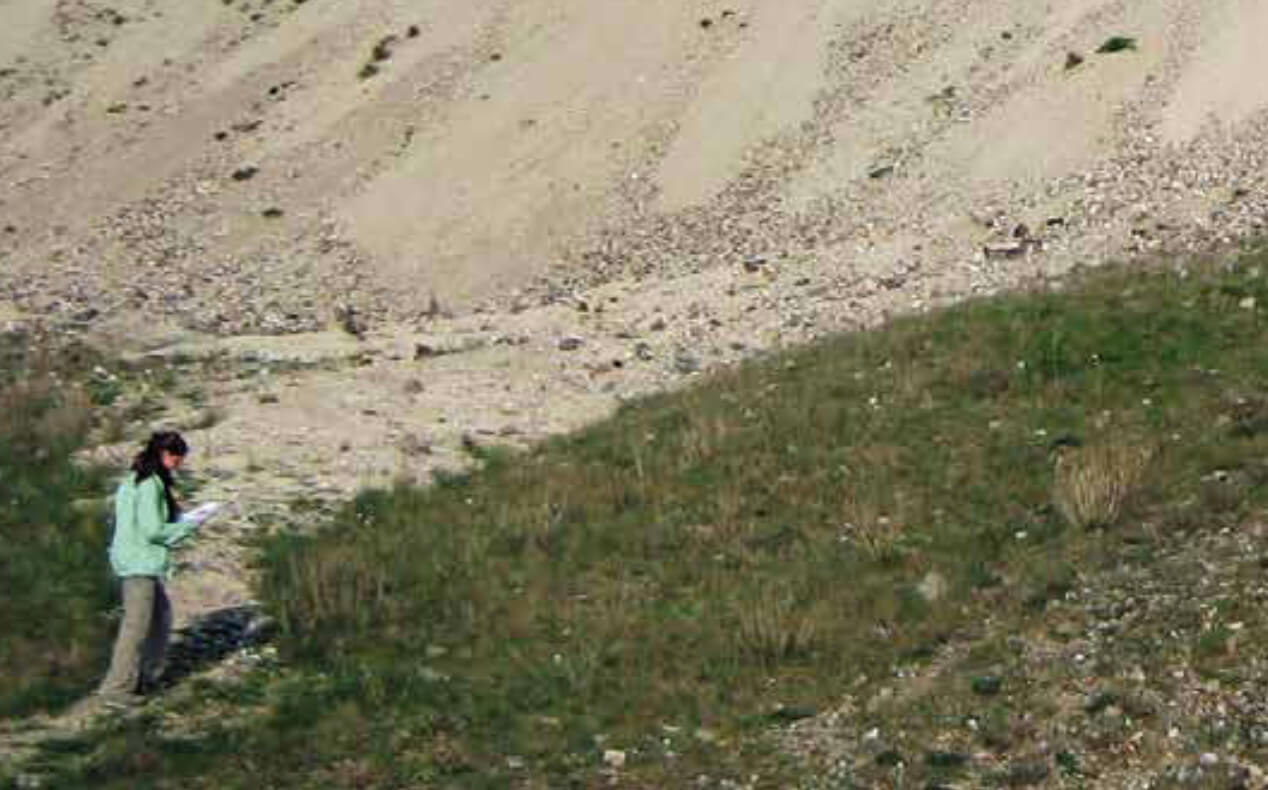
212, 638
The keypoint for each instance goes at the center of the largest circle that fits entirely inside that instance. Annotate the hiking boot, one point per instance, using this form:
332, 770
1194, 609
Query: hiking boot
148, 686
122, 701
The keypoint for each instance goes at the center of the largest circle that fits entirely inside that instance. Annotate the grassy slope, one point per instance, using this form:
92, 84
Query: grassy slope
869, 526
52, 570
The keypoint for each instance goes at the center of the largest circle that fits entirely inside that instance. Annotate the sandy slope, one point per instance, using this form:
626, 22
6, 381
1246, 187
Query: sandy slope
505, 140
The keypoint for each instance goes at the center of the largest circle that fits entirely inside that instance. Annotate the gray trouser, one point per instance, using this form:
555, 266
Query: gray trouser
141, 646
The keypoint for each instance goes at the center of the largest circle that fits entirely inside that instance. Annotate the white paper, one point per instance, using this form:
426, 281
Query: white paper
200, 514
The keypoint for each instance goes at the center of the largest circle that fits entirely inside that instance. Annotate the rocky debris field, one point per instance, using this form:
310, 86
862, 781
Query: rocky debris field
934, 152
1143, 676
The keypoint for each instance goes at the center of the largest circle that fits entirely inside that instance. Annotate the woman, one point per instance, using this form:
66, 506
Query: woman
147, 524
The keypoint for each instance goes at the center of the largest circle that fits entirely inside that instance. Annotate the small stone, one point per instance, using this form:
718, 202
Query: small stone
414, 446
1004, 250
1099, 702
932, 587
1073, 60
686, 362
614, 758
272, 212
1248, 303
880, 171
1208, 760
245, 173
349, 320
571, 343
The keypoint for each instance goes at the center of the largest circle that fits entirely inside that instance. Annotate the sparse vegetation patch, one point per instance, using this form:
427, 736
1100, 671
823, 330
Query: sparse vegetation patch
52, 520
1115, 44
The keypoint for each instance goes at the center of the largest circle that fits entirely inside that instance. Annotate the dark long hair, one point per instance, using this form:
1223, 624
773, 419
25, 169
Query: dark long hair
150, 462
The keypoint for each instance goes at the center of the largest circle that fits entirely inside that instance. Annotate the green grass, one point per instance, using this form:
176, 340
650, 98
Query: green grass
56, 585
685, 579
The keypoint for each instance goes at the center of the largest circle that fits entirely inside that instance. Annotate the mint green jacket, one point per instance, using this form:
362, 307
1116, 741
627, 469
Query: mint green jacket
142, 533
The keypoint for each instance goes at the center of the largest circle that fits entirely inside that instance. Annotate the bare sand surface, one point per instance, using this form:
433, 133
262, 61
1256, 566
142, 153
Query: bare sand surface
526, 212
499, 143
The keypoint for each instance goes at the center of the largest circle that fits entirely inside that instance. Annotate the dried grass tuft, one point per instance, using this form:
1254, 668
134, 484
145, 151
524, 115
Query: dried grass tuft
778, 624
1092, 484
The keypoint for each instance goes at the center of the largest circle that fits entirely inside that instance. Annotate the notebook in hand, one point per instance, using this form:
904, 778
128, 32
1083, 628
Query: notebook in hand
200, 514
